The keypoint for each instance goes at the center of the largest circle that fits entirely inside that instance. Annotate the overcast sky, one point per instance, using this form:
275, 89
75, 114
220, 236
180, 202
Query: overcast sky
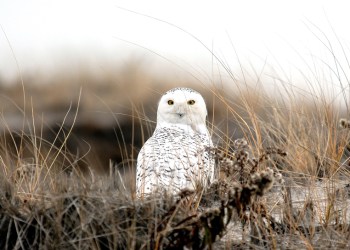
48, 34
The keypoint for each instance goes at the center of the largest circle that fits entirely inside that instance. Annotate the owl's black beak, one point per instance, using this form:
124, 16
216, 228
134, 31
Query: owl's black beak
181, 114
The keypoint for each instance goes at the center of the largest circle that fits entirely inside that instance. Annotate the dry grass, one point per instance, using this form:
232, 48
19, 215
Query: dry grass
283, 185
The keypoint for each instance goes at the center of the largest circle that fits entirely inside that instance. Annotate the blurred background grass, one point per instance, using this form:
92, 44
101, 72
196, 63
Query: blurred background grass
117, 109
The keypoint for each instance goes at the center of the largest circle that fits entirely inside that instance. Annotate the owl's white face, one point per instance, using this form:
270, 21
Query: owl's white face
182, 106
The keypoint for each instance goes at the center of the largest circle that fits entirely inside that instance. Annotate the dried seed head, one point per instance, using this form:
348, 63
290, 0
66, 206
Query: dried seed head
262, 181
240, 143
343, 123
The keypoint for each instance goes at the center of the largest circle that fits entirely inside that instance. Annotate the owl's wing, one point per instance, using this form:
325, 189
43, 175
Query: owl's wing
145, 168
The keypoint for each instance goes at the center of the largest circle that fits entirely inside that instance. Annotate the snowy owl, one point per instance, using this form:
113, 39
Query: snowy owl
177, 155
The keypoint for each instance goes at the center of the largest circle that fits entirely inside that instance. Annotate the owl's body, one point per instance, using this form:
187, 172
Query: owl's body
177, 155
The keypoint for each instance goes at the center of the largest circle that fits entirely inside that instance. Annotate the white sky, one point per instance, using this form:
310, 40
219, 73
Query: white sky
48, 34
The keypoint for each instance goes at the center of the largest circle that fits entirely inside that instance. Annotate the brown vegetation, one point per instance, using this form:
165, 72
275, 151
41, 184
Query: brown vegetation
284, 185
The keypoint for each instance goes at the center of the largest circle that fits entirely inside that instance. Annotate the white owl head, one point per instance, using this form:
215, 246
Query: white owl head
182, 106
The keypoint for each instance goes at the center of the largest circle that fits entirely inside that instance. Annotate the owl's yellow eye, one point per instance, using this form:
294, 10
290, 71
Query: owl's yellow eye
191, 102
171, 102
